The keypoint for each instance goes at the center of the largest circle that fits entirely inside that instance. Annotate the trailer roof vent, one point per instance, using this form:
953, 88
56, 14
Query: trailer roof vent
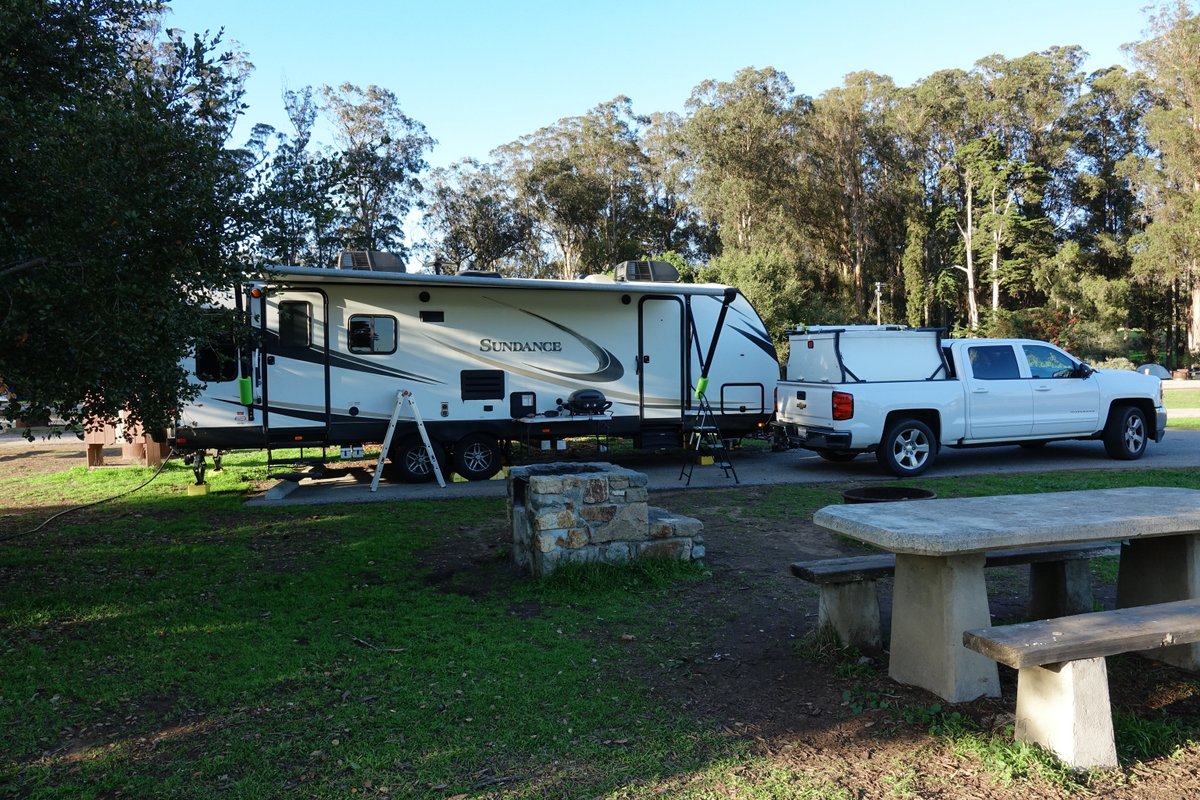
656, 271
369, 260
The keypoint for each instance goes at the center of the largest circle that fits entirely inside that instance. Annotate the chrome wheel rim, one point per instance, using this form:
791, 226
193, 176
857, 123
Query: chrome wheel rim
911, 449
477, 458
1135, 434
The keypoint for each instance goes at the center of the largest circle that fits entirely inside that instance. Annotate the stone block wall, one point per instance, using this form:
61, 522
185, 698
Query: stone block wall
589, 512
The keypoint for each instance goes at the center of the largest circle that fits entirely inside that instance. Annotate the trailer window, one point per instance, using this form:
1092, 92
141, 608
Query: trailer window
295, 324
217, 361
369, 333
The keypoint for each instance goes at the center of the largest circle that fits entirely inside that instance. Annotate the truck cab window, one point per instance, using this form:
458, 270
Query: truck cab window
295, 324
995, 362
368, 333
1046, 362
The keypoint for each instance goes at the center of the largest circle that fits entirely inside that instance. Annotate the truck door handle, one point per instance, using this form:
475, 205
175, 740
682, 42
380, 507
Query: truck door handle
1041, 388
980, 390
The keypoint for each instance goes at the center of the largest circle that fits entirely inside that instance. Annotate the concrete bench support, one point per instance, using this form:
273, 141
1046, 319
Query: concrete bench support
852, 610
919, 653
1062, 681
1065, 709
1160, 571
1060, 582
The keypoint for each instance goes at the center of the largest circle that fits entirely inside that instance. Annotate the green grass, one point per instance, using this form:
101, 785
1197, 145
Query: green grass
1184, 423
173, 646
1182, 398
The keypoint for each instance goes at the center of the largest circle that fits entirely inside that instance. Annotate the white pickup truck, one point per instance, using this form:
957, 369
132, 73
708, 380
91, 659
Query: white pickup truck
905, 393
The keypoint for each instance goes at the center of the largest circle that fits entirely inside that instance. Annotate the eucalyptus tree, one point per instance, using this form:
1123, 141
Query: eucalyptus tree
922, 254
996, 169
1026, 102
381, 156
610, 149
853, 155
293, 194
1090, 274
673, 224
948, 103
742, 137
582, 182
474, 218
118, 204
1166, 254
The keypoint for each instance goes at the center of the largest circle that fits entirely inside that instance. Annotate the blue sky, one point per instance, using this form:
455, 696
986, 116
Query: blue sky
481, 74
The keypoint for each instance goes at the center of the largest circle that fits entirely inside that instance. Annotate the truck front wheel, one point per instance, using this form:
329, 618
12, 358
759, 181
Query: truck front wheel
907, 449
1125, 433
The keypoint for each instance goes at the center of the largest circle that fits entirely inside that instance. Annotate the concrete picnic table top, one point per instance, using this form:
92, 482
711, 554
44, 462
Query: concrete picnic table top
956, 526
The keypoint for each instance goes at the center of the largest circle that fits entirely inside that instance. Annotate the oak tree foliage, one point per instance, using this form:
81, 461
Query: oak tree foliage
117, 198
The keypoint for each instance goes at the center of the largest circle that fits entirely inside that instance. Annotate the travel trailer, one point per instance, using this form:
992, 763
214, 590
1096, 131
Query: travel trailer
486, 360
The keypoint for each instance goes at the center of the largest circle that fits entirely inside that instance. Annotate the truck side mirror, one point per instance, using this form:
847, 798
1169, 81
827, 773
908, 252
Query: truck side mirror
1083, 370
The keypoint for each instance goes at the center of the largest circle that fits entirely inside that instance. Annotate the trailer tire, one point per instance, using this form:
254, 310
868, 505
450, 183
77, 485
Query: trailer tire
1125, 433
477, 457
907, 449
410, 461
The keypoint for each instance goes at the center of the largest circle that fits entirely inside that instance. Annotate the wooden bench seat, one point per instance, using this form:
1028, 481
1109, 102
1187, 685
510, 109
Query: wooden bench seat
1062, 681
1060, 583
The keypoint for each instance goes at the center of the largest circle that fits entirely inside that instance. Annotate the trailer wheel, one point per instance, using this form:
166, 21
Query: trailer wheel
907, 449
837, 456
410, 461
477, 457
1125, 434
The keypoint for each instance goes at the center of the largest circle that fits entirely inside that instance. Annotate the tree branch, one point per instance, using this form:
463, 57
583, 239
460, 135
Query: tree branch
30, 264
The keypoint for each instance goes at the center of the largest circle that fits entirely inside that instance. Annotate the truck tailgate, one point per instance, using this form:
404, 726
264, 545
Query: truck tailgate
806, 403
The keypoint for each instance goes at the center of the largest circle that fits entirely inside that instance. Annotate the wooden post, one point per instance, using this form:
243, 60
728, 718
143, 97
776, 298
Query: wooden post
96, 440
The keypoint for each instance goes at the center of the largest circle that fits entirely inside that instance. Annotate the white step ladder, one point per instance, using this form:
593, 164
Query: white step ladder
405, 396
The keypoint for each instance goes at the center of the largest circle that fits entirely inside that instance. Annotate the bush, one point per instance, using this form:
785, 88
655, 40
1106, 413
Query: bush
1117, 362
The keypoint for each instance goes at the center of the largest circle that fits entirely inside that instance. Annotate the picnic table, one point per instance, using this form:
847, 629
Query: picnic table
941, 547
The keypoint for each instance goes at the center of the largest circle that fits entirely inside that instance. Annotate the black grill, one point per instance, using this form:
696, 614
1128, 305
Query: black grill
587, 401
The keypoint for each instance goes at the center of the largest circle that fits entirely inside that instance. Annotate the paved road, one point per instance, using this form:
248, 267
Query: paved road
1180, 448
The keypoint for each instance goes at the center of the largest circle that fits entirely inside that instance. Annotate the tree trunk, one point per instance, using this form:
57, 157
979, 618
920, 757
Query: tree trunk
1193, 332
968, 234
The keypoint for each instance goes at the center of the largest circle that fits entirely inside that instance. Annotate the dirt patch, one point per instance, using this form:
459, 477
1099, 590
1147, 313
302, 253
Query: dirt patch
748, 666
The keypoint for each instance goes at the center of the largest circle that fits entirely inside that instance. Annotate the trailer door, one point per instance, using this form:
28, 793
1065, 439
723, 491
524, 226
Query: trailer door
295, 371
662, 352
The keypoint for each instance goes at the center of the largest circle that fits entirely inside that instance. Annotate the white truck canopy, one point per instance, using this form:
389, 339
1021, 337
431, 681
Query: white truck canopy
863, 353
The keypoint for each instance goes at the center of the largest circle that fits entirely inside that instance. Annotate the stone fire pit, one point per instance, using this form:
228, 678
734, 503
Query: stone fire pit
589, 512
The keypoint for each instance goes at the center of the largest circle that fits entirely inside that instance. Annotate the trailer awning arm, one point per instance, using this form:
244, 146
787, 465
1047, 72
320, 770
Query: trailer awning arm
702, 384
